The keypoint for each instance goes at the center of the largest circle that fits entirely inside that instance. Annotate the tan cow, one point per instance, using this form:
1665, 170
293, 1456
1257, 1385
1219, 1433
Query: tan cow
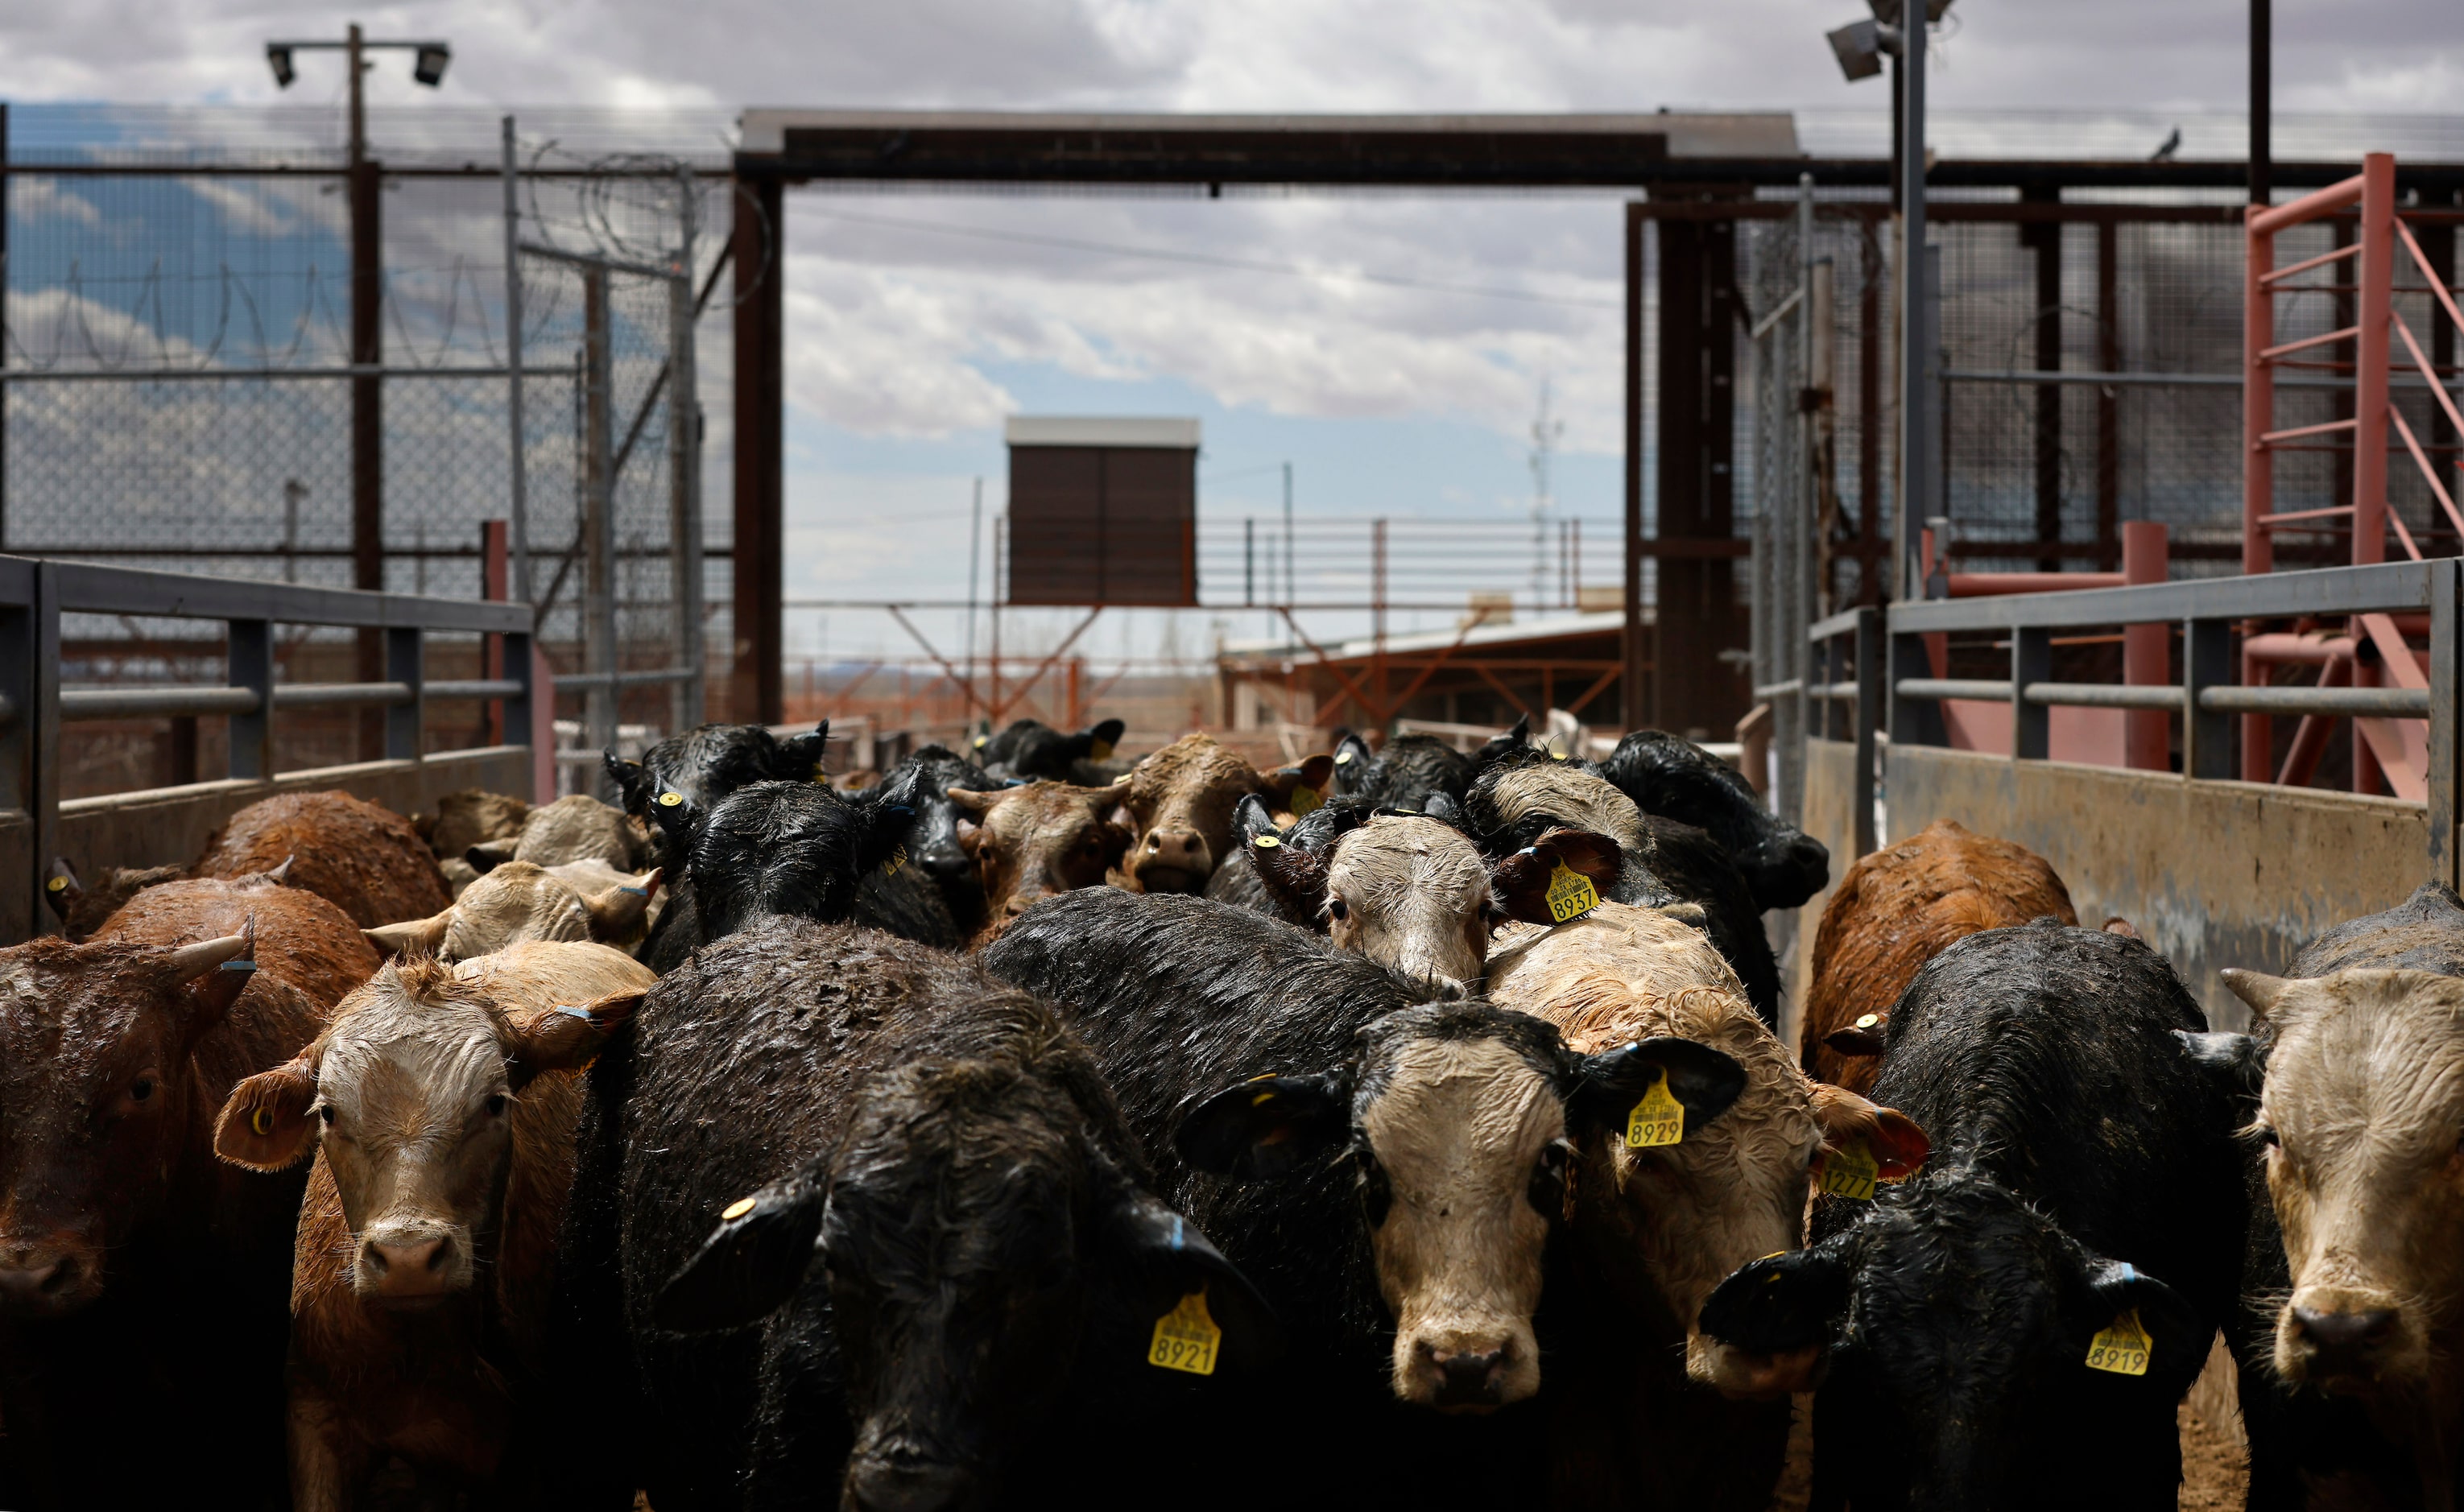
1180, 801
575, 827
441, 1104
1036, 842
583, 900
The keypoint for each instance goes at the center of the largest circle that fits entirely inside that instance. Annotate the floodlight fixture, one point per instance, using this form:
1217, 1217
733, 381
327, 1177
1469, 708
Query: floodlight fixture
427, 64
278, 54
1858, 47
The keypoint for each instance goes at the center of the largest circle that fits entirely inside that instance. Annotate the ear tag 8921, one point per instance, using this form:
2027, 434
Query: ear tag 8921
1658, 1119
1186, 1338
1305, 801
2121, 1346
1849, 1173
1570, 894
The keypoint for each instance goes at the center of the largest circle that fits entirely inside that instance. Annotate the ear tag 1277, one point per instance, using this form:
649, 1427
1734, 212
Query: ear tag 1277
2122, 1345
1658, 1119
1305, 801
1186, 1338
1850, 1173
1570, 894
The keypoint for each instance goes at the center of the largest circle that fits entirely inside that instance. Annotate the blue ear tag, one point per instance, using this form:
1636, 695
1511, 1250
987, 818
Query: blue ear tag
238, 966
639, 892
573, 1010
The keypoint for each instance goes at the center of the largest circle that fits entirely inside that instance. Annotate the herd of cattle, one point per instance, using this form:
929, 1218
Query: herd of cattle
1031, 1126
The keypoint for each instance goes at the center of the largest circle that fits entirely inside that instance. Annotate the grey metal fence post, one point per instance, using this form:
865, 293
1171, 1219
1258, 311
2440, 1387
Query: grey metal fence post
2444, 667
684, 461
1914, 721
2208, 661
405, 720
249, 651
598, 498
2031, 661
1872, 679
518, 496
518, 710
42, 717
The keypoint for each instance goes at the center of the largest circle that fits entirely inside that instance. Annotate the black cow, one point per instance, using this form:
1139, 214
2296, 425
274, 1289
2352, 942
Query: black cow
922, 782
1674, 779
1407, 774
709, 761
1397, 1168
2083, 1175
1032, 750
924, 1175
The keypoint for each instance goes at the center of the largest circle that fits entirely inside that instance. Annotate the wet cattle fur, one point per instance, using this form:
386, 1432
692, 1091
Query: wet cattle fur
923, 781
2082, 1167
1034, 751
1636, 1408
82, 908
1674, 779
1406, 774
1396, 1182
575, 827
990, 1267
363, 859
440, 1105
141, 1282
1894, 910
774, 849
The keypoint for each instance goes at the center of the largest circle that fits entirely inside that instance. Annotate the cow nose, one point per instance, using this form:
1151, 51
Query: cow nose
1808, 853
877, 1485
1469, 1378
34, 1282
416, 1269
944, 866
2342, 1331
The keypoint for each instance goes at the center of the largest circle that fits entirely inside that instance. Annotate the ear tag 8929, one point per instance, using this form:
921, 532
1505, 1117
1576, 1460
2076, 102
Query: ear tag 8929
1849, 1173
1570, 894
1658, 1119
1186, 1338
1305, 801
2121, 1346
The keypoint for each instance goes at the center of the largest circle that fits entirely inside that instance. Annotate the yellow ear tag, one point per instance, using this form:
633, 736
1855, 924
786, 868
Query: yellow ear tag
671, 800
1265, 842
1658, 1119
1570, 894
1556, 754
1849, 1173
57, 885
897, 858
1868, 1021
1343, 759
1123, 780
1100, 751
1186, 1338
981, 741
261, 1121
1305, 801
2121, 1346
735, 1210
820, 775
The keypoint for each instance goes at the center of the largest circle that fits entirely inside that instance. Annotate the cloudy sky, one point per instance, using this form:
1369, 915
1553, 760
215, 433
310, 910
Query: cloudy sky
917, 321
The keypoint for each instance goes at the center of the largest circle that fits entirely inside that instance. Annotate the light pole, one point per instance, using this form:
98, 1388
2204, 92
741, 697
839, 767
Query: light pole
368, 343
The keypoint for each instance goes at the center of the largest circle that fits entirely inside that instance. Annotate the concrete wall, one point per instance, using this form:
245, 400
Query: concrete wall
2214, 874
163, 826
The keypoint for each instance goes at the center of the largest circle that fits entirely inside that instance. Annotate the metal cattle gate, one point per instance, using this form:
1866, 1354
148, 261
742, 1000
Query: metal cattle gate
33, 706
1875, 662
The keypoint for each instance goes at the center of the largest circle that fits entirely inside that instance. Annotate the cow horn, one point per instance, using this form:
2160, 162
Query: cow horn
2260, 991
193, 961
279, 873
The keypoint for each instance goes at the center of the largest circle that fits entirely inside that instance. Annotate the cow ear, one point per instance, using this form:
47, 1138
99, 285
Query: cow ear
2237, 1062
1350, 762
570, 1037
1898, 1146
1265, 1127
1443, 807
1522, 881
264, 1124
751, 1264
2260, 991
1298, 790
2178, 1339
1781, 1303
883, 826
616, 913
421, 936
799, 758
631, 779
62, 888
973, 802
1704, 1080
1102, 739
1170, 1260
1857, 1045
488, 855
1504, 745
1295, 876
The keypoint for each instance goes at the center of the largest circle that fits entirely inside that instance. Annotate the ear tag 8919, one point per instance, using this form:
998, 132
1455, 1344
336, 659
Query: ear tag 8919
1186, 1338
2121, 1346
1570, 894
1305, 801
1658, 1119
1849, 1173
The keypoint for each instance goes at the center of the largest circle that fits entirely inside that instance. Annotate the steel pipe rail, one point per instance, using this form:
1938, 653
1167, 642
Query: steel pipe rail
2324, 592
1835, 693
474, 687
583, 681
343, 695
154, 703
1952, 688
2102, 695
2396, 703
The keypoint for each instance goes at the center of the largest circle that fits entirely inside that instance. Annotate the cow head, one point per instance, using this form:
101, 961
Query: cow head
1676, 779
976, 1244
922, 782
782, 847
2359, 1109
409, 1095
1037, 840
1411, 772
82, 909
707, 764
1033, 750
1180, 801
518, 901
1458, 1119
1523, 792
97, 1100
1958, 1321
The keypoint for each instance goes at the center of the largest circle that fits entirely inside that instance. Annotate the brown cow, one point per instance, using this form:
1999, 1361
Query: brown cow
1894, 910
1180, 800
138, 1282
441, 1104
582, 900
82, 909
1693, 1210
364, 858
471, 817
575, 827
1036, 842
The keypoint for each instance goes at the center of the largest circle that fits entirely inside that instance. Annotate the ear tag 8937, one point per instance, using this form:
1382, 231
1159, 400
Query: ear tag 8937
1305, 801
1849, 1173
1186, 1338
1570, 894
1658, 1119
2121, 1346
